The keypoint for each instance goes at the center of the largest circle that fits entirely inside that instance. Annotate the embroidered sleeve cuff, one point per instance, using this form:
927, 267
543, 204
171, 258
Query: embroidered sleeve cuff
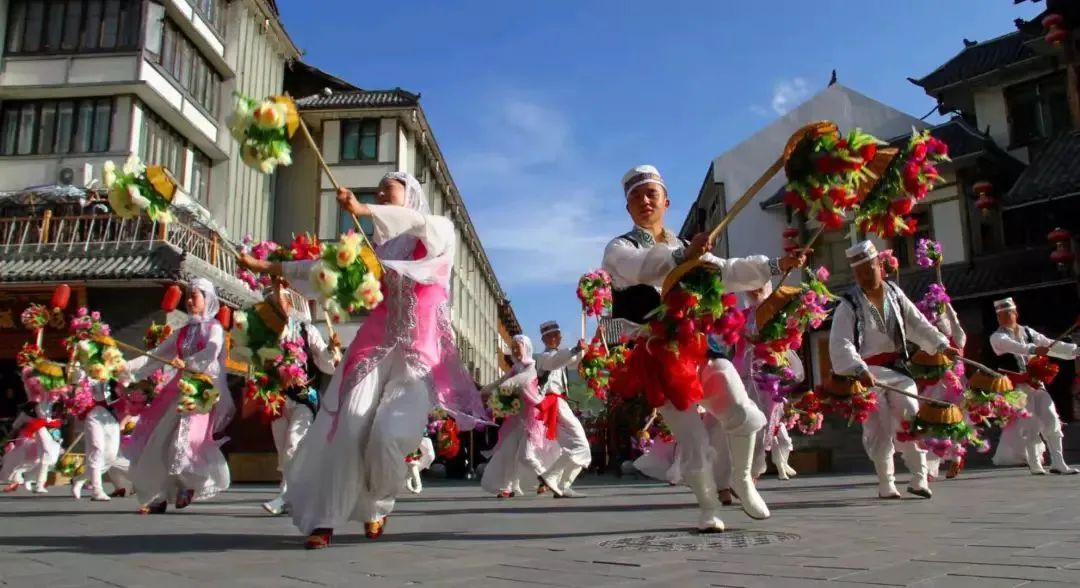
679, 255
774, 266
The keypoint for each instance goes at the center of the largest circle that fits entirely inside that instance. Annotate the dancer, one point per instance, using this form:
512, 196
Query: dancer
101, 440
638, 262
419, 460
1018, 345
522, 451
174, 455
301, 402
555, 410
34, 450
950, 389
351, 464
871, 328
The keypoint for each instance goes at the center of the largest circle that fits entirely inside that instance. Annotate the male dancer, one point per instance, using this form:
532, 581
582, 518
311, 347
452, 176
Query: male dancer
638, 262
868, 341
1018, 344
575, 454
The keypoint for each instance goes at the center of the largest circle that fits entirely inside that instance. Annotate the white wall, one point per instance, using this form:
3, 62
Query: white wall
757, 231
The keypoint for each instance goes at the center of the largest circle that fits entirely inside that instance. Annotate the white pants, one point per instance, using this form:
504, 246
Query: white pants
101, 439
31, 458
1044, 424
358, 472
879, 431
288, 430
575, 454
734, 411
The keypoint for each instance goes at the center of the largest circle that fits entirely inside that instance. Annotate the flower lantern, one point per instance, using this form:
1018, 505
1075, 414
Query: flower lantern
1059, 237
1062, 257
791, 233
1056, 32
790, 246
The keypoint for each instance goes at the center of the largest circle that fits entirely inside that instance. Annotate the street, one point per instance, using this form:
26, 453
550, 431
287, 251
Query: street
988, 528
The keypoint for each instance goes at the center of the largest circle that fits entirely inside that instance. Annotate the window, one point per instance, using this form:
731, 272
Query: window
360, 140
345, 220
56, 126
180, 59
70, 26
830, 252
214, 13
200, 177
159, 144
904, 247
1038, 109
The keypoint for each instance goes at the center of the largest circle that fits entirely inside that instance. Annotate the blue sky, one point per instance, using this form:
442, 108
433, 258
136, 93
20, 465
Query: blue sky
540, 107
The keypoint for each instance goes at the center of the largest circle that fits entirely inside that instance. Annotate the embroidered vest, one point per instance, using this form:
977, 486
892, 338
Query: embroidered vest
892, 294
636, 302
1012, 361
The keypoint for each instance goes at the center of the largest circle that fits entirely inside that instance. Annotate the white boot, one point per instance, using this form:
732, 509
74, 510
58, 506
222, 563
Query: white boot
783, 470
77, 487
1057, 455
42, 481
569, 475
413, 482
1034, 459
915, 462
275, 506
704, 489
741, 448
99, 487
553, 476
886, 474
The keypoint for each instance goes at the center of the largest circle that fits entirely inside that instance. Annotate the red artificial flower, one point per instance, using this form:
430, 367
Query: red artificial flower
902, 206
938, 147
912, 226
817, 193
839, 195
911, 171
918, 153
825, 165
729, 300
830, 219
794, 200
841, 144
868, 152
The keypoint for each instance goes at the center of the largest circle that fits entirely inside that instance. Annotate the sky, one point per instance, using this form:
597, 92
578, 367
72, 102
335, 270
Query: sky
540, 107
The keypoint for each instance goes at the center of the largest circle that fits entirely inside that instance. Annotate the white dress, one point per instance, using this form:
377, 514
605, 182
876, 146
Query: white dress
515, 459
31, 457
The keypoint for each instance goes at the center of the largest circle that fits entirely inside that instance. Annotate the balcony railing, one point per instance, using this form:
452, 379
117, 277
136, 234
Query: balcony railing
102, 232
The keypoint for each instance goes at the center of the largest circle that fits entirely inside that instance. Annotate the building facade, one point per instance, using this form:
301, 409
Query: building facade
363, 134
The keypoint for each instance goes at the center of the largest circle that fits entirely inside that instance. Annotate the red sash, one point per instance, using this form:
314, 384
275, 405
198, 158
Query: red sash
883, 359
35, 425
549, 414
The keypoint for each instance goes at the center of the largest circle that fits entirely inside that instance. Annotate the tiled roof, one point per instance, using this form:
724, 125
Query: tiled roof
990, 275
359, 99
1054, 173
977, 59
123, 262
962, 139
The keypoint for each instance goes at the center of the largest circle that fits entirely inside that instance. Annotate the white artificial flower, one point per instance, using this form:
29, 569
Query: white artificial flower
133, 167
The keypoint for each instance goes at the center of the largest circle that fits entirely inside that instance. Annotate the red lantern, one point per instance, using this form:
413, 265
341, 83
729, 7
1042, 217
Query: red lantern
1053, 21
172, 297
224, 316
791, 233
983, 187
1059, 235
1062, 257
61, 297
790, 246
985, 203
1057, 37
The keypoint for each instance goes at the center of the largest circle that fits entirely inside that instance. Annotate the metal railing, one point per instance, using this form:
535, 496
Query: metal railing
103, 232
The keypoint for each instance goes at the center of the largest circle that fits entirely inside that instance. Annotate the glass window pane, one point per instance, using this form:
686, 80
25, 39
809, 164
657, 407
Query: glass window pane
92, 30
350, 140
102, 125
10, 129
369, 148
16, 25
47, 129
65, 125
72, 25
27, 128
54, 26
35, 18
155, 17
1055, 101
128, 25
110, 27
168, 49
84, 127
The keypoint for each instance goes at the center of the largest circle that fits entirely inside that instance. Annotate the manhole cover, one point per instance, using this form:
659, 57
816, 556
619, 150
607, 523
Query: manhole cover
699, 542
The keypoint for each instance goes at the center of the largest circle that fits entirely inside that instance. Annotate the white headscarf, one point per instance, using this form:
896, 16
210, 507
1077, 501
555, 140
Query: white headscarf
401, 247
212, 304
527, 357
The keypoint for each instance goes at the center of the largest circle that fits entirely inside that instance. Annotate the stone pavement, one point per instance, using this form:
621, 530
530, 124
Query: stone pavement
989, 528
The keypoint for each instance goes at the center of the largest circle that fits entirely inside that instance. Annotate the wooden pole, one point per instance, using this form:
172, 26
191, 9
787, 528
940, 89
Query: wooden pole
746, 198
912, 395
138, 351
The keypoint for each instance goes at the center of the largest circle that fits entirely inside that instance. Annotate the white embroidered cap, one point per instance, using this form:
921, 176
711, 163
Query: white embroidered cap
548, 327
1004, 304
640, 175
861, 253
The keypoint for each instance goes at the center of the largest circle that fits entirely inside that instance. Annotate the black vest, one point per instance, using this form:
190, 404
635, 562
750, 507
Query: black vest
636, 302
893, 293
1011, 361
298, 393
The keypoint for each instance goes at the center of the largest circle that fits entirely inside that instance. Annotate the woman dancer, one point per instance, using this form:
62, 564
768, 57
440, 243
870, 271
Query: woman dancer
173, 455
522, 451
35, 449
351, 465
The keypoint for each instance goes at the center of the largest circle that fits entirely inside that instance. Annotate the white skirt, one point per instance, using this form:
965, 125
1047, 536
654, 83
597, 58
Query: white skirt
514, 460
163, 469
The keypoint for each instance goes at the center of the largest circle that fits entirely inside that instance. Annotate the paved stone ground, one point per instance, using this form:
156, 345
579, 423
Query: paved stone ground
989, 528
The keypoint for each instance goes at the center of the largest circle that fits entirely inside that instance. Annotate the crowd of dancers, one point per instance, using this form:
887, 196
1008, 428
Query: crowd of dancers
348, 450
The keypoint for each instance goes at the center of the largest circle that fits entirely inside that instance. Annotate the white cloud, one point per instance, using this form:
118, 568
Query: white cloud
787, 94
